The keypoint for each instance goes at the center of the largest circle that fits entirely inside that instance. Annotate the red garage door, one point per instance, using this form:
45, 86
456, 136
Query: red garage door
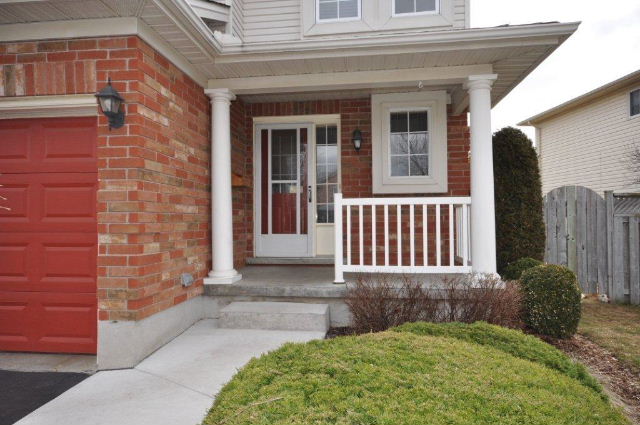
48, 240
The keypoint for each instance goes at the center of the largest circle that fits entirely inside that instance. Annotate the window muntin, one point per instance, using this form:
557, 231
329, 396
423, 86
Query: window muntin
414, 7
409, 143
326, 171
337, 10
634, 103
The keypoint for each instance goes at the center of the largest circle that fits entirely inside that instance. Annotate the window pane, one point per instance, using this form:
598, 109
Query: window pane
328, 10
419, 165
405, 6
322, 194
332, 173
330, 213
321, 135
399, 144
418, 121
321, 174
635, 102
332, 135
399, 166
418, 143
425, 5
322, 213
331, 154
348, 8
399, 122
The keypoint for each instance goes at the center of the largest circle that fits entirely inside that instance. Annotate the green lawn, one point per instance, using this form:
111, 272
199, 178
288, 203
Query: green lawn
614, 327
401, 378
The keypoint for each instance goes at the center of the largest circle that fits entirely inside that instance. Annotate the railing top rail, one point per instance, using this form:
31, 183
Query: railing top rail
408, 201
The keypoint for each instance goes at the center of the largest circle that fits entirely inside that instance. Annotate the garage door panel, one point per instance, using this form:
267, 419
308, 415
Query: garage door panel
49, 322
61, 262
49, 202
48, 145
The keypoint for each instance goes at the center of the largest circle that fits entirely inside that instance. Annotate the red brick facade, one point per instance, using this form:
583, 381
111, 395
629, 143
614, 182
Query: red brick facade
154, 190
356, 166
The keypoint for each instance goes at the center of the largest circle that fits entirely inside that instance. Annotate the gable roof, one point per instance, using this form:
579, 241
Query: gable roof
626, 81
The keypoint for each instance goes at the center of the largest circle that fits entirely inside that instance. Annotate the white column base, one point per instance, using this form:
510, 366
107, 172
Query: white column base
222, 279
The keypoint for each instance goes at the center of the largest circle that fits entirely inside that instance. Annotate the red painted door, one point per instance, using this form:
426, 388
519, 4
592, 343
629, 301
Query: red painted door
48, 239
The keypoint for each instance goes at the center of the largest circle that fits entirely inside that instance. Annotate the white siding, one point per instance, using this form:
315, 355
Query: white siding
237, 18
590, 146
271, 20
281, 20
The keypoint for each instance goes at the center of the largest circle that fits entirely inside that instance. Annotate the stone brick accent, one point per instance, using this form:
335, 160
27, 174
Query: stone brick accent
154, 184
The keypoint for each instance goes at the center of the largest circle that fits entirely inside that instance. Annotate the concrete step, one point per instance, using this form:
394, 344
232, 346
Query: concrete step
275, 316
308, 261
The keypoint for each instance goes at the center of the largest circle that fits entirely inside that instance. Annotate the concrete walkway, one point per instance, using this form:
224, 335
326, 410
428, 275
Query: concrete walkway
176, 385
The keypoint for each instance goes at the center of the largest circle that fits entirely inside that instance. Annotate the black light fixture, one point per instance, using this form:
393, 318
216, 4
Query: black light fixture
111, 104
357, 139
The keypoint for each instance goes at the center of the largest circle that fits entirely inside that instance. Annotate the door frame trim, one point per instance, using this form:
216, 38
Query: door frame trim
75, 105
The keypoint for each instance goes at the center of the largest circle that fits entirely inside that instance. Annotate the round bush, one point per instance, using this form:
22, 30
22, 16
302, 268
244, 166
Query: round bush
551, 299
394, 378
514, 270
510, 341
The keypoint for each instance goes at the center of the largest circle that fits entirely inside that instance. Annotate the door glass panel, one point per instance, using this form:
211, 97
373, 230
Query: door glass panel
304, 182
284, 181
326, 171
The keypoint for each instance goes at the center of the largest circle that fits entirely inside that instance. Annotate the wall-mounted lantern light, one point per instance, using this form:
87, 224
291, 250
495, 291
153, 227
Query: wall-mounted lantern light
357, 139
111, 104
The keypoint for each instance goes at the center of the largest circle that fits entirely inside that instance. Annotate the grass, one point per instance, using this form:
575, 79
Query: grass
395, 378
510, 341
614, 327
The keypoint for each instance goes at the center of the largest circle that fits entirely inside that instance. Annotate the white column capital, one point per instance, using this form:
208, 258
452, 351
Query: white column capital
217, 95
484, 81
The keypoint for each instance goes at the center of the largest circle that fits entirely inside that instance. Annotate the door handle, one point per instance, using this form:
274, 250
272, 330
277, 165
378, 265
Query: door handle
310, 194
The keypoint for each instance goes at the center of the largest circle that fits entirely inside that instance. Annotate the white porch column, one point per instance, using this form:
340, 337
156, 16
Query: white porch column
483, 225
221, 201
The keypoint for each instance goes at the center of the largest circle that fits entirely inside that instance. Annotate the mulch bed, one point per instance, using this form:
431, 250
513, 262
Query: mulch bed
621, 383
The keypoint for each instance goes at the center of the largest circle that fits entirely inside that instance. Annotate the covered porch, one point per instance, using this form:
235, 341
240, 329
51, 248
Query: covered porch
379, 157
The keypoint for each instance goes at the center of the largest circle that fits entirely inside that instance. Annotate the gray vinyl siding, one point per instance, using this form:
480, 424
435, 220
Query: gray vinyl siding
590, 146
281, 20
237, 19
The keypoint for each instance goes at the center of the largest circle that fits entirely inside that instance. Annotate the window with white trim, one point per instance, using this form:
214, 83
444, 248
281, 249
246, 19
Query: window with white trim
409, 143
414, 7
634, 103
326, 171
337, 10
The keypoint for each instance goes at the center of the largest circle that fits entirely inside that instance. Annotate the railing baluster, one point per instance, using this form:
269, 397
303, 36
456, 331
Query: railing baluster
361, 235
412, 241
438, 253
425, 233
465, 234
348, 235
451, 236
399, 217
386, 235
374, 246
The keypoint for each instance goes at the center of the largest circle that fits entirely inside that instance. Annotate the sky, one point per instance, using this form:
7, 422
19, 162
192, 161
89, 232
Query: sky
605, 48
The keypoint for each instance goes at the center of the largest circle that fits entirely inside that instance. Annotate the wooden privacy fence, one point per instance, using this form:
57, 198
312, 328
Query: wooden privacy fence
599, 239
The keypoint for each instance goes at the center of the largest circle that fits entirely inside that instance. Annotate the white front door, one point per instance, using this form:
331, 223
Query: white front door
283, 187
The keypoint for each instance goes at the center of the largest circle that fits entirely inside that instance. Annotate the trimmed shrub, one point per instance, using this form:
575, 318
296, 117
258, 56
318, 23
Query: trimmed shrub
510, 341
514, 270
551, 300
518, 198
400, 378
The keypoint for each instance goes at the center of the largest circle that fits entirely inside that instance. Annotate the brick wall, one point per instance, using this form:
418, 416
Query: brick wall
154, 191
356, 166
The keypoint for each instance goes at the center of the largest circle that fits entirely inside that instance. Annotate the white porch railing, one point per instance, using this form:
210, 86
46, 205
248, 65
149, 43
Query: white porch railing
401, 235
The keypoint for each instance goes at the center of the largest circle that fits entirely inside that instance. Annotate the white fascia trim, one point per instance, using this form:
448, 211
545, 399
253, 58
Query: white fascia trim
550, 32
106, 27
348, 80
77, 105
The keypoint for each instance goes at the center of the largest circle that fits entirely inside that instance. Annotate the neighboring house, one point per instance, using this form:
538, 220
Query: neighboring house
588, 141
243, 119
